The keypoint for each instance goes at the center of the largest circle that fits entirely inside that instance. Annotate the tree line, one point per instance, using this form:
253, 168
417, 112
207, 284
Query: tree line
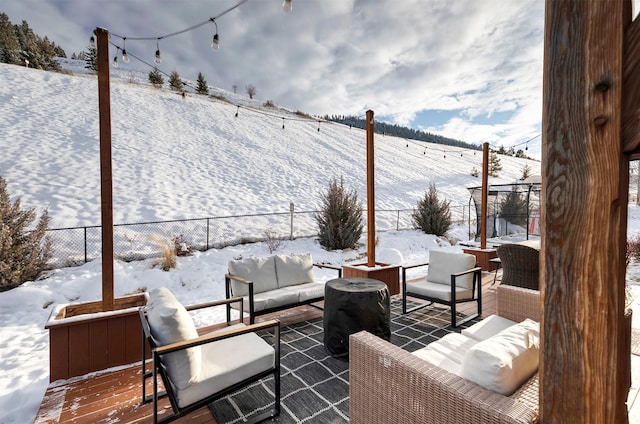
19, 45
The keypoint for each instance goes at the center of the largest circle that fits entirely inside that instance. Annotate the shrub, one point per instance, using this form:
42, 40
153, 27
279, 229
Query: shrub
181, 247
272, 240
432, 216
24, 253
340, 217
168, 255
156, 78
633, 249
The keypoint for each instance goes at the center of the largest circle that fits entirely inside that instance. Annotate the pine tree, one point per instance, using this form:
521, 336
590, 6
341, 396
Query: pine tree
24, 253
175, 82
156, 78
9, 45
340, 217
202, 87
526, 172
513, 209
494, 164
432, 216
91, 58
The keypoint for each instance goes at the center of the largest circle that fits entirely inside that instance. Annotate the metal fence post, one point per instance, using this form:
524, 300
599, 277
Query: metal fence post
291, 209
207, 242
85, 245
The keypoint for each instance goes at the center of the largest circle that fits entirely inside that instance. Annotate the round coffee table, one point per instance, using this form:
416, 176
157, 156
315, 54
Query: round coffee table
351, 305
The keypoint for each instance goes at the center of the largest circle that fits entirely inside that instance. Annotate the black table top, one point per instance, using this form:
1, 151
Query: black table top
356, 284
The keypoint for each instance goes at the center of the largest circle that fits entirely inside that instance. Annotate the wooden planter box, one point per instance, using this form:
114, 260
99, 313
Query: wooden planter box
388, 274
483, 257
83, 338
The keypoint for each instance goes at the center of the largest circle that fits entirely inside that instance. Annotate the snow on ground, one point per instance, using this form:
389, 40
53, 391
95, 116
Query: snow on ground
176, 158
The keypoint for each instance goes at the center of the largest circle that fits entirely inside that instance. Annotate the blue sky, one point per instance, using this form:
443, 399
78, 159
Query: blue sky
470, 70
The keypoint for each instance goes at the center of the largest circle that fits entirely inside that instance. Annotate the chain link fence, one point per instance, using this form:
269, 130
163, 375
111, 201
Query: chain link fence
76, 245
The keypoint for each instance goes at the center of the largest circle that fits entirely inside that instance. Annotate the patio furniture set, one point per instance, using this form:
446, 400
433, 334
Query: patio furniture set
457, 376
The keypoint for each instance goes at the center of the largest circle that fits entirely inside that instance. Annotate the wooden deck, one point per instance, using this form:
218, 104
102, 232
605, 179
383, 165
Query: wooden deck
114, 395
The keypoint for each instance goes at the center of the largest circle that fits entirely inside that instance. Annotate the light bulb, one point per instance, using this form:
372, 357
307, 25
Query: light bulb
92, 42
287, 5
215, 44
125, 56
115, 62
158, 59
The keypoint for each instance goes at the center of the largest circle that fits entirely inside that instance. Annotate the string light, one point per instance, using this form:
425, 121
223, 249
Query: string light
115, 61
158, 59
125, 56
287, 6
237, 111
283, 122
215, 44
92, 42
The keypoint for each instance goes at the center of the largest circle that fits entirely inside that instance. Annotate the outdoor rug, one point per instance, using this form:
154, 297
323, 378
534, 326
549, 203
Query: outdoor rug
314, 385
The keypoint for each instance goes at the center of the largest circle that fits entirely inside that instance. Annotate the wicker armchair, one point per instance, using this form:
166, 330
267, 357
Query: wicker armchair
520, 265
390, 385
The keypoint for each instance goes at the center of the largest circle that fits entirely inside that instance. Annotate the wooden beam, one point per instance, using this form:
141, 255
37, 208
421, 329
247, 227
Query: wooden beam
371, 191
106, 185
631, 82
582, 228
485, 195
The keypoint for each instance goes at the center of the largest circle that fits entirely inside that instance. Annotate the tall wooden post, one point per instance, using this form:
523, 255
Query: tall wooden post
583, 224
485, 195
371, 205
106, 191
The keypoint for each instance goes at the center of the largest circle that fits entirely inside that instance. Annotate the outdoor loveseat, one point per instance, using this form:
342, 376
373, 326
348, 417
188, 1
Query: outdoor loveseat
273, 283
390, 385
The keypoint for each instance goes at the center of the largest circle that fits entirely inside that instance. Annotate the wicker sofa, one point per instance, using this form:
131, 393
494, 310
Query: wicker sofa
390, 385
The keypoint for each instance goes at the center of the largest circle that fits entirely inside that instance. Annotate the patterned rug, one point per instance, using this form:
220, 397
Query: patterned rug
314, 385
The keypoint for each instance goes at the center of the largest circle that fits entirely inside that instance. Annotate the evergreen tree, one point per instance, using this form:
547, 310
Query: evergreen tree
23, 252
340, 217
156, 78
202, 87
526, 172
494, 164
90, 58
432, 216
9, 45
175, 82
513, 208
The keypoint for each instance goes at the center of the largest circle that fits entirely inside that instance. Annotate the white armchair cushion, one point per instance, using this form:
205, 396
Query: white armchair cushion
442, 264
260, 270
296, 268
227, 362
170, 322
502, 363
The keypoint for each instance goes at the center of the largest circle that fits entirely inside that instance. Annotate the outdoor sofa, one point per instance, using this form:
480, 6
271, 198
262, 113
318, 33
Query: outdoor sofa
273, 283
390, 385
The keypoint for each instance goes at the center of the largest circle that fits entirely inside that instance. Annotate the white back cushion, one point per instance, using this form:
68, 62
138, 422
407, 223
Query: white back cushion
502, 363
260, 270
443, 264
170, 323
296, 268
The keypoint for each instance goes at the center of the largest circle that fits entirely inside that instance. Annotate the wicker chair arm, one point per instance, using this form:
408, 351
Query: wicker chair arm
518, 303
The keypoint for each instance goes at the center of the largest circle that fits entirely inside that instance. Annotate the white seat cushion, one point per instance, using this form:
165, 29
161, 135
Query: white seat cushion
170, 322
442, 264
437, 290
488, 327
260, 270
227, 362
502, 363
296, 268
271, 299
307, 291
448, 352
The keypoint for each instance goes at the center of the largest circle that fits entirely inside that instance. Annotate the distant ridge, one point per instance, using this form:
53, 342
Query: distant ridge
403, 132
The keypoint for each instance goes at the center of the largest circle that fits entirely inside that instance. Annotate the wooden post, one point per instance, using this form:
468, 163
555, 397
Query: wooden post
485, 195
371, 205
582, 228
106, 191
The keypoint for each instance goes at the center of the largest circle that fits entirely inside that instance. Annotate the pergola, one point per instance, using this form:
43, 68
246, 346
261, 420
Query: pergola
591, 130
